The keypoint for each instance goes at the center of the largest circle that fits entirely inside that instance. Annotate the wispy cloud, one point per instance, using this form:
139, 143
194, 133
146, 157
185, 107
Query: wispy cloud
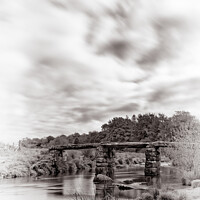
69, 66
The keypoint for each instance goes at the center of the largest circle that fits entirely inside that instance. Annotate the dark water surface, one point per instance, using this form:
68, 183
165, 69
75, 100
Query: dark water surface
64, 187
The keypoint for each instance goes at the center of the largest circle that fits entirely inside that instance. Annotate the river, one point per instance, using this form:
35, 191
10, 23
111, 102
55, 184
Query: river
63, 187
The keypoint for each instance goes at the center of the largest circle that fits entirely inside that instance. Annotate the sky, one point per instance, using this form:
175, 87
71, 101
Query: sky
69, 66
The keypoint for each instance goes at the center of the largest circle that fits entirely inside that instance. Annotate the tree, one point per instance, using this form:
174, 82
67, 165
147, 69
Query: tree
118, 129
152, 127
76, 141
60, 140
185, 130
93, 137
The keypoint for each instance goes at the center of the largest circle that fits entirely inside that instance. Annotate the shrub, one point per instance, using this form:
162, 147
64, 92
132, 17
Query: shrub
182, 196
167, 196
120, 161
155, 193
127, 161
147, 196
72, 167
78, 164
72, 155
188, 176
87, 153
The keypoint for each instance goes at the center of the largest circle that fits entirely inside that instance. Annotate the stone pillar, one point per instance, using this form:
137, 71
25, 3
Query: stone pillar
104, 162
61, 153
57, 160
111, 162
152, 166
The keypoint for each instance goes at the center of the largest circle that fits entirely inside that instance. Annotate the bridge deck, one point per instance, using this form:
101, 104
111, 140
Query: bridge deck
112, 145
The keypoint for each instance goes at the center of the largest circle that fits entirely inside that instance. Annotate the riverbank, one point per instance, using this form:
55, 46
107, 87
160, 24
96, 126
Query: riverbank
37, 162
71, 183
19, 163
187, 193
190, 193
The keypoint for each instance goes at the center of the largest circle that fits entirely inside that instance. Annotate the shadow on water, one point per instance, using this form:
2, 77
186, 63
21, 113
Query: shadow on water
132, 183
64, 187
139, 183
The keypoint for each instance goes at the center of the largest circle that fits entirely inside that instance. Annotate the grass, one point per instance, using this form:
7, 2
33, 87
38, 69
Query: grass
77, 196
35, 162
15, 163
145, 196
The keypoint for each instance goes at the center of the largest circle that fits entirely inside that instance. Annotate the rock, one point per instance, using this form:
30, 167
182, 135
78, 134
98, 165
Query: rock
152, 164
100, 160
120, 166
186, 182
128, 181
136, 186
122, 186
135, 162
102, 178
153, 158
101, 164
195, 183
147, 196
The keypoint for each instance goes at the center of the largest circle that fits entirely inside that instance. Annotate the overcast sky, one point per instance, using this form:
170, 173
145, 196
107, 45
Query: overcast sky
70, 65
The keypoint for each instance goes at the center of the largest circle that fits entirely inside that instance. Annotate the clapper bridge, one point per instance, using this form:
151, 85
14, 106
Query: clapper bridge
105, 154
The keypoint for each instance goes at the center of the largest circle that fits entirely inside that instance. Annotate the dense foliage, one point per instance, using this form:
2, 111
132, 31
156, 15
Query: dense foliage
143, 127
185, 155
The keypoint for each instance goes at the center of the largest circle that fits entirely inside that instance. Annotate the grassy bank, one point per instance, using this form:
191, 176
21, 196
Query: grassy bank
15, 163
37, 162
164, 194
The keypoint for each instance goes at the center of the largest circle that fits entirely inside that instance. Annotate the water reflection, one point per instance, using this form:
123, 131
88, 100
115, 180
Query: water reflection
127, 193
80, 184
154, 182
104, 190
59, 188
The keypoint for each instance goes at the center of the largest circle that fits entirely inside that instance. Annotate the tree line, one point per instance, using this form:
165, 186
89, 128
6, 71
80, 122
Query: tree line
143, 127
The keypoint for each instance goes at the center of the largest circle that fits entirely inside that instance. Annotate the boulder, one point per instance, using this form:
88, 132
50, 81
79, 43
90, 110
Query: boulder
102, 178
128, 181
195, 183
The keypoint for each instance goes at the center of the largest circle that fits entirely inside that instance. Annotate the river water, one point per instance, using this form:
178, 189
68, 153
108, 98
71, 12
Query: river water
64, 187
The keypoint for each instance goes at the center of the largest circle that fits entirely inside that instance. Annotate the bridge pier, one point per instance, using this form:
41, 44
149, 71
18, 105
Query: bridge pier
105, 162
152, 166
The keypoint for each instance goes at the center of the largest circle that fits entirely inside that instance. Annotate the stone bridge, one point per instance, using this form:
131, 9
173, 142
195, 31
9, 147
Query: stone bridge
105, 154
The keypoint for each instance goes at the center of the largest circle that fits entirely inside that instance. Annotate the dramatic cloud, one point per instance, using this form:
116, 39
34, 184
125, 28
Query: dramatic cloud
69, 65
